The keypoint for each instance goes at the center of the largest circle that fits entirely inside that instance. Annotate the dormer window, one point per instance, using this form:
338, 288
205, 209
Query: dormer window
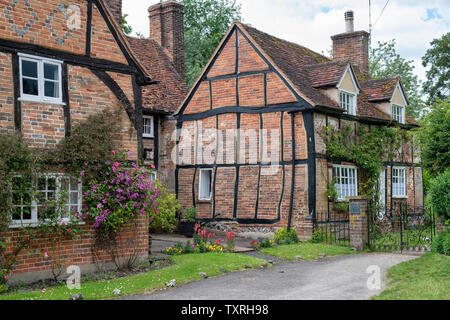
348, 102
398, 113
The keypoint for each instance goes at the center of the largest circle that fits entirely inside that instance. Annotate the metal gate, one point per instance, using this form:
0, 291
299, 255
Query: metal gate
332, 228
400, 228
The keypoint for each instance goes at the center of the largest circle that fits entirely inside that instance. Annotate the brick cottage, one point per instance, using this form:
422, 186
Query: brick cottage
243, 146
62, 61
250, 149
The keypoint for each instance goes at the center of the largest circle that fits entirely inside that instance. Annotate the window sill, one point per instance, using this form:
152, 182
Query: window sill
59, 103
399, 197
148, 137
204, 201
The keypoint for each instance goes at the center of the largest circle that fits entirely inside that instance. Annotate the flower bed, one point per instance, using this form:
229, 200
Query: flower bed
203, 241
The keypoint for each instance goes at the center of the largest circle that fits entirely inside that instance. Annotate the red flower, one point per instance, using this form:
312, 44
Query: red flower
116, 164
114, 153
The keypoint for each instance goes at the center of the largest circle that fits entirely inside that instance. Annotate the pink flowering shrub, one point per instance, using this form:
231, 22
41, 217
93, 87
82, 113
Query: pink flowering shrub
120, 195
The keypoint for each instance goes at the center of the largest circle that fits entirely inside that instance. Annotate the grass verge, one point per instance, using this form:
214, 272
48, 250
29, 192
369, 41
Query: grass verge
425, 278
308, 251
185, 268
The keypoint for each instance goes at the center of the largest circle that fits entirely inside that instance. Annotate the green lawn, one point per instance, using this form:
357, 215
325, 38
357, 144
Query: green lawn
308, 251
185, 269
425, 278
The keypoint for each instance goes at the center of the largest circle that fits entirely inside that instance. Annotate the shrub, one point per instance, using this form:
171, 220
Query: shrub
282, 236
441, 244
165, 215
117, 197
317, 236
266, 243
439, 195
190, 214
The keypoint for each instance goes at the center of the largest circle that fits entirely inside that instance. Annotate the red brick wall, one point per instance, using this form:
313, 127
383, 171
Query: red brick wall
80, 251
39, 32
103, 42
249, 59
404, 156
6, 94
272, 193
43, 125
353, 46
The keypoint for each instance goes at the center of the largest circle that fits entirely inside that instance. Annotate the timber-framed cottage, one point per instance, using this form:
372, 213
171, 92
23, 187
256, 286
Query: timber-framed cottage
62, 61
250, 150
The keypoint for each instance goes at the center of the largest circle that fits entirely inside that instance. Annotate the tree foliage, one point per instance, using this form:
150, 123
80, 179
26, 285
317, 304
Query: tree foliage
434, 137
438, 76
127, 29
440, 195
385, 62
205, 24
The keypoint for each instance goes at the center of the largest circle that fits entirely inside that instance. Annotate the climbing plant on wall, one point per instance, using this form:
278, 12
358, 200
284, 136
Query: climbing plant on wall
367, 147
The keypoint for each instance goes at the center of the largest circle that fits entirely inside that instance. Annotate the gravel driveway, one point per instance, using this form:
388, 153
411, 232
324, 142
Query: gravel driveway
343, 277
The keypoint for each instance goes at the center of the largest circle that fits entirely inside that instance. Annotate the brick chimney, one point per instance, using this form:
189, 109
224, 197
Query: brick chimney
166, 28
352, 45
115, 6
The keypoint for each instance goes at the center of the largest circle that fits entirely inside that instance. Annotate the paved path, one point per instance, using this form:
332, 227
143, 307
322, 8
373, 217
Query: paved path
343, 277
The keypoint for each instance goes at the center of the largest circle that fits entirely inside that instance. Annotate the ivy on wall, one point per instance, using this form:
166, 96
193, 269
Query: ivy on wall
367, 147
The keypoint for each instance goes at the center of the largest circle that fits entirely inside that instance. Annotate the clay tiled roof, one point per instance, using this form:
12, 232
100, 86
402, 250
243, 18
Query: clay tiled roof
171, 89
311, 73
291, 59
326, 74
380, 89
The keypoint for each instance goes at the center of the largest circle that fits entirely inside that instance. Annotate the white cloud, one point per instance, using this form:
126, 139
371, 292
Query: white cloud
311, 23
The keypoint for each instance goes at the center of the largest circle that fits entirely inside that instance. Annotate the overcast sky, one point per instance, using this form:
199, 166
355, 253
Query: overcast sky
413, 23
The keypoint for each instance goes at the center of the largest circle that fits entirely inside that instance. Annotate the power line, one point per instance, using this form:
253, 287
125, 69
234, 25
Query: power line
380, 14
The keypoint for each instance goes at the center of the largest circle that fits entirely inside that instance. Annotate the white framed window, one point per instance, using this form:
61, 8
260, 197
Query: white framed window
28, 209
399, 182
398, 113
40, 79
346, 181
154, 176
205, 184
148, 131
347, 101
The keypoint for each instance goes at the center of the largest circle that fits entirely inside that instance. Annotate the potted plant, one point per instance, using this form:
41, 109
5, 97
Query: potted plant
187, 222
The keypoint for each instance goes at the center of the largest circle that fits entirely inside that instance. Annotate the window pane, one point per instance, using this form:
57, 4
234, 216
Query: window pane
29, 68
30, 86
205, 188
51, 89
26, 213
73, 198
17, 213
51, 71
42, 183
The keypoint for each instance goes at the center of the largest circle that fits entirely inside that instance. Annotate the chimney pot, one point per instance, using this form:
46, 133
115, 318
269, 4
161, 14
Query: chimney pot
349, 21
352, 45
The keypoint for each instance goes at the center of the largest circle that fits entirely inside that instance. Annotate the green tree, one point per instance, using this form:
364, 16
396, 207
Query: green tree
438, 76
385, 62
205, 24
434, 137
439, 196
127, 29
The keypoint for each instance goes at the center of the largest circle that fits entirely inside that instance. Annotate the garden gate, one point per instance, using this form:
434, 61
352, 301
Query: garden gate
333, 228
401, 228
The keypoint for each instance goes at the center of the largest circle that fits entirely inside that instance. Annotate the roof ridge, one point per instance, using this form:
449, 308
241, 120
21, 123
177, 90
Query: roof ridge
284, 40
